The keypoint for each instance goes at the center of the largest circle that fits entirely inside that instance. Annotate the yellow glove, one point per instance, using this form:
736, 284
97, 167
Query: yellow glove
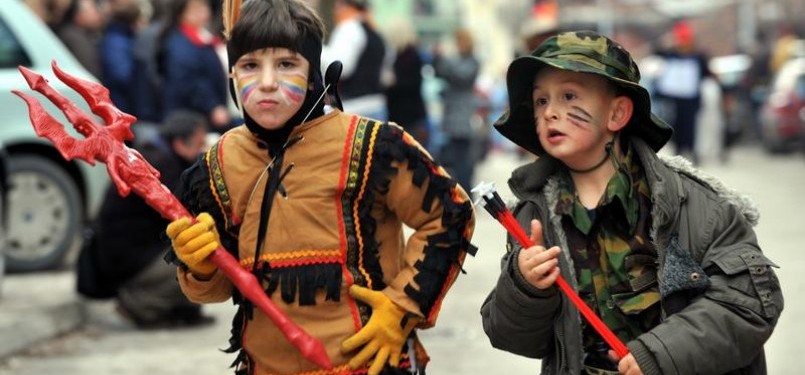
193, 243
383, 336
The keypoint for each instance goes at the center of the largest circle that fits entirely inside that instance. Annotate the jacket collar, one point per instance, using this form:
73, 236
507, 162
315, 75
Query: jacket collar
527, 181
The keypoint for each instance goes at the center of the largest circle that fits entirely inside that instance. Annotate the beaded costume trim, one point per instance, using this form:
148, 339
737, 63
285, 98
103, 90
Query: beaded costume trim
214, 158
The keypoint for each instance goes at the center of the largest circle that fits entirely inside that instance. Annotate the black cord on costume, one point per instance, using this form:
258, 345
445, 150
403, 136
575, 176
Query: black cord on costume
272, 186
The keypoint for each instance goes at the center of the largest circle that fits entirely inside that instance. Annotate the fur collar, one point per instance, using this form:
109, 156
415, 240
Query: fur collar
742, 201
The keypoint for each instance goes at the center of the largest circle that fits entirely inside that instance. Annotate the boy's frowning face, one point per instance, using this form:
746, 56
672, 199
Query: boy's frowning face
573, 114
271, 85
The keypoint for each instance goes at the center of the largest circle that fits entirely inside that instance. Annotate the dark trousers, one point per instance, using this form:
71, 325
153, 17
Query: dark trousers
684, 124
458, 158
153, 294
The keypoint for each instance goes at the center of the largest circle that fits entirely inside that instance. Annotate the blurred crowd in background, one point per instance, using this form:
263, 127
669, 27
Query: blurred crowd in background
157, 56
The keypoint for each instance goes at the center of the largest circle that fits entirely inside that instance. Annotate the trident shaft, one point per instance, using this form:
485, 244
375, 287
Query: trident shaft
131, 172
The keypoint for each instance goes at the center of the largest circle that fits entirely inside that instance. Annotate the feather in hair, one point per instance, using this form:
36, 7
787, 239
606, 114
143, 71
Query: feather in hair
231, 13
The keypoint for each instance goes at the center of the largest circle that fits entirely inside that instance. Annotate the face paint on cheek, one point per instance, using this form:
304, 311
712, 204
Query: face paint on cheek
293, 87
579, 116
246, 87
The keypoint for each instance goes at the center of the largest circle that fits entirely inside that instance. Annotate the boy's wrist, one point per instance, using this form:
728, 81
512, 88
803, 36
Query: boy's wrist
648, 364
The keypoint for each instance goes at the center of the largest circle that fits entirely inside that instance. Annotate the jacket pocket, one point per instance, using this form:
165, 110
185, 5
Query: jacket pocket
747, 280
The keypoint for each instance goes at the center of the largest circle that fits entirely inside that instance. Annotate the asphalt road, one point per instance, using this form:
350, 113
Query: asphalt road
457, 345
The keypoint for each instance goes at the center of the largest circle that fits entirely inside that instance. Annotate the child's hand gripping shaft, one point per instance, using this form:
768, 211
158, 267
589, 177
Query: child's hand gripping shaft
194, 242
383, 336
197, 244
614, 342
537, 264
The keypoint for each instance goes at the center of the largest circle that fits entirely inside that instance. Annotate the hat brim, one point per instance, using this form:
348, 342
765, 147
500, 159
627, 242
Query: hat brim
517, 123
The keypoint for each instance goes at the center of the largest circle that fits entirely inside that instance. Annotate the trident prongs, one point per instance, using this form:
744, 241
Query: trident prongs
104, 142
97, 96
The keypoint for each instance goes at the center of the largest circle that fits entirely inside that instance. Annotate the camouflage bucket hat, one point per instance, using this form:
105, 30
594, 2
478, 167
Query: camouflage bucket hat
584, 52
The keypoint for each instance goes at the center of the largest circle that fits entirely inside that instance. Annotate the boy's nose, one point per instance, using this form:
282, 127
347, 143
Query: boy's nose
268, 80
550, 111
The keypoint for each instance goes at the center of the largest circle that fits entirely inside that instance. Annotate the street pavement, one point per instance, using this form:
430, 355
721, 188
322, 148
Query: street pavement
45, 328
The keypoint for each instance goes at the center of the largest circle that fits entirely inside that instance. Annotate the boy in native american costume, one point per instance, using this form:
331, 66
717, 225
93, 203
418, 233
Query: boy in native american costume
313, 202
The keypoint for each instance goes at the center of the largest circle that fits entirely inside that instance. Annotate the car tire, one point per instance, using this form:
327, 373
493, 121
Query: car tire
45, 214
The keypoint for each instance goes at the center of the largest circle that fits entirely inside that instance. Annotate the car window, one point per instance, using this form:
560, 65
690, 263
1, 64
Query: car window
11, 52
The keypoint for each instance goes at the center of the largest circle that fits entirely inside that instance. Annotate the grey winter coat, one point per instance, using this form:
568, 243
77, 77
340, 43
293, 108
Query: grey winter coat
459, 73
720, 298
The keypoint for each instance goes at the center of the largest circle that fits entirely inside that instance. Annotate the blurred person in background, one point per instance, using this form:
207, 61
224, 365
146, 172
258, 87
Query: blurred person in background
358, 46
459, 73
80, 30
678, 88
128, 246
711, 129
51, 12
116, 56
194, 77
536, 30
404, 91
39, 7
148, 81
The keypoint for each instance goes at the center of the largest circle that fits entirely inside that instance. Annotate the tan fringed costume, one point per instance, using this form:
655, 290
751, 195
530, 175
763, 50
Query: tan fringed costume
346, 188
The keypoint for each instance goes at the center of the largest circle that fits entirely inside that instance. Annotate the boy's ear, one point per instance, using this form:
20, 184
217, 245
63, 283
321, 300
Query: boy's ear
622, 110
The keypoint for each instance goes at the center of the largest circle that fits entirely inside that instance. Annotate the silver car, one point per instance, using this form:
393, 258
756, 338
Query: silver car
49, 199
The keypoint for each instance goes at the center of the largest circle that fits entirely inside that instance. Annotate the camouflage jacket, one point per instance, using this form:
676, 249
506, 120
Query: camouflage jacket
613, 258
711, 275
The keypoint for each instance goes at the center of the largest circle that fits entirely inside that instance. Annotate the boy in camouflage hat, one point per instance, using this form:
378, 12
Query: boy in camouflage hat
665, 255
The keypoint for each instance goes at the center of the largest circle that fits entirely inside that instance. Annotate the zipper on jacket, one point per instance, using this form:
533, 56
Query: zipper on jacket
560, 347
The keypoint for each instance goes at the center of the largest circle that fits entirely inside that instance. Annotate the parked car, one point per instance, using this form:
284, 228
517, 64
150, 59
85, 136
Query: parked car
783, 113
49, 199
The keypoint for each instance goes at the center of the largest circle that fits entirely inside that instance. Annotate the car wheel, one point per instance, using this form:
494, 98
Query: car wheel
44, 214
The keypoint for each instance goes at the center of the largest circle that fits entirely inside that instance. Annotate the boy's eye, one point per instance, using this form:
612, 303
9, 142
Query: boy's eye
287, 64
247, 66
540, 102
570, 96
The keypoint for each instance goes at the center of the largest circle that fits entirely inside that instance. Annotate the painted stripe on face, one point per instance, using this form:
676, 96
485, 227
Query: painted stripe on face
246, 87
579, 115
293, 87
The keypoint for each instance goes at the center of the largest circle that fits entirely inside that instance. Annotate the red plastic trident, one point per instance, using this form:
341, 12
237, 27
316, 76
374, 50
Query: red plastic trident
491, 201
130, 171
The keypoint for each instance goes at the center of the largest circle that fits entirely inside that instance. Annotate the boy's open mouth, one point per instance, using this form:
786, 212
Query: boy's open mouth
554, 133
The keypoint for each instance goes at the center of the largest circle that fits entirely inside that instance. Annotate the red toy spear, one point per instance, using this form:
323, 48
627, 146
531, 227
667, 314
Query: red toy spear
493, 204
130, 171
